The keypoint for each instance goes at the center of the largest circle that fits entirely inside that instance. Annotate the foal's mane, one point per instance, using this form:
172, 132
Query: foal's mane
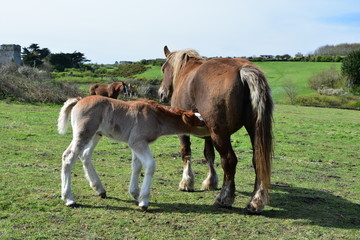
163, 108
178, 60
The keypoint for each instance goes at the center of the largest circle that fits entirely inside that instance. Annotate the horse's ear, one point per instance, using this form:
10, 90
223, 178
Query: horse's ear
166, 51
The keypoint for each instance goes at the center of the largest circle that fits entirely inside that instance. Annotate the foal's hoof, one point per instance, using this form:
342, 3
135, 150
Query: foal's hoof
103, 195
73, 205
144, 208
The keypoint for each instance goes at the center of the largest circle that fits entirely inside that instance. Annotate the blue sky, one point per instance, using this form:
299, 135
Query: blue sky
113, 30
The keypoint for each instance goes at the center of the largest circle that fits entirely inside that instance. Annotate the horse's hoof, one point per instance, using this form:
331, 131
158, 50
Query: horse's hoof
250, 209
186, 186
103, 195
187, 189
144, 208
218, 205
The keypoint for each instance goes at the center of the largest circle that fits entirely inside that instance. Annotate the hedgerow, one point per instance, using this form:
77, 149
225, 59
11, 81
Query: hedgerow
26, 84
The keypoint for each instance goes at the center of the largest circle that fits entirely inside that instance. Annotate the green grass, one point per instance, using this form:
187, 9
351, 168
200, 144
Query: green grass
154, 72
315, 192
297, 72
276, 73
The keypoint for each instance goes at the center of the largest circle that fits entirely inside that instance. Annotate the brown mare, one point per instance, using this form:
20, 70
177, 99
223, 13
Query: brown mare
229, 94
111, 90
136, 122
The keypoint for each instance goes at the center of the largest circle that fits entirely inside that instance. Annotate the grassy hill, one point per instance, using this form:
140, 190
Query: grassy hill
277, 73
298, 72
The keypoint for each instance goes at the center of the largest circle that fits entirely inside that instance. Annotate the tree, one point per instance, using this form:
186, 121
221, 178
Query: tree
351, 69
34, 55
340, 49
299, 57
291, 90
60, 61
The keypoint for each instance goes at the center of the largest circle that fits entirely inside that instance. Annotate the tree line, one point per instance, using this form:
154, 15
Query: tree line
37, 57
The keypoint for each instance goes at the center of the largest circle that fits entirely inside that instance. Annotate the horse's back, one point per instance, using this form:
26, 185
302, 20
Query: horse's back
219, 94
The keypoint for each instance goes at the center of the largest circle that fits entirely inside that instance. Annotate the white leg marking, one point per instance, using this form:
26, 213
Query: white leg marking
211, 182
134, 181
144, 155
68, 159
90, 173
187, 182
258, 201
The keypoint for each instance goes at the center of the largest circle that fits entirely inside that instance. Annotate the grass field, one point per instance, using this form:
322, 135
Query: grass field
298, 72
277, 73
315, 183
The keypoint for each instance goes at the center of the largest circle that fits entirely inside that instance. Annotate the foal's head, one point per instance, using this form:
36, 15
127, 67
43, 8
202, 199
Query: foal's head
193, 119
174, 63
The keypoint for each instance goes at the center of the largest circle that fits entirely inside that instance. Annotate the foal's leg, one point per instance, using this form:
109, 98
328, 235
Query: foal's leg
187, 181
142, 152
134, 181
68, 159
90, 173
228, 162
211, 182
259, 198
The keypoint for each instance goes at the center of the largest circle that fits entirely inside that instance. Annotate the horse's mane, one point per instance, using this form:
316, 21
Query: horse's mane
178, 60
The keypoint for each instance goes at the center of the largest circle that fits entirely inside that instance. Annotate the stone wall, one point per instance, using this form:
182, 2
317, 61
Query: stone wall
10, 53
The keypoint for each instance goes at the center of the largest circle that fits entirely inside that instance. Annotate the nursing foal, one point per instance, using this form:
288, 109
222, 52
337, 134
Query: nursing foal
136, 122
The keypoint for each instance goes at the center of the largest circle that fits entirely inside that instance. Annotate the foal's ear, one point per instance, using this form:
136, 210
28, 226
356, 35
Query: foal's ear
191, 119
166, 51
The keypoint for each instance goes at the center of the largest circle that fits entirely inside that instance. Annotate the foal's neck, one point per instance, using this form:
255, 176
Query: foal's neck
171, 122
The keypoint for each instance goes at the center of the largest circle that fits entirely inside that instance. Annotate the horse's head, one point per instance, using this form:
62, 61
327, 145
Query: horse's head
166, 87
174, 69
119, 87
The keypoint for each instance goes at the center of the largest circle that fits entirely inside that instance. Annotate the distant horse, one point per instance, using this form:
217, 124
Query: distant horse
131, 90
112, 90
229, 94
136, 122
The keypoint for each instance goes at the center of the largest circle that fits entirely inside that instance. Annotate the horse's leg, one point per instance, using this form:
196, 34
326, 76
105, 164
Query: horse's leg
142, 152
259, 198
134, 181
187, 181
211, 182
68, 159
228, 162
90, 173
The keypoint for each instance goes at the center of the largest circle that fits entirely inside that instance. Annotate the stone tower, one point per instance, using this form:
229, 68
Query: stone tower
10, 53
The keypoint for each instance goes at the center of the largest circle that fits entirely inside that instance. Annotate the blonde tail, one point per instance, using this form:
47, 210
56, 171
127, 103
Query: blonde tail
262, 106
63, 120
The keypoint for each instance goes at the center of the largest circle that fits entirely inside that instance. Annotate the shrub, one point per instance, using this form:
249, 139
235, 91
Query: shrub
290, 89
320, 100
31, 85
351, 68
129, 69
326, 79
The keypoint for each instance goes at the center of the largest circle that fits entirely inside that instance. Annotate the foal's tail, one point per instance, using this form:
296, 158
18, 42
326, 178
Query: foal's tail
64, 115
262, 105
